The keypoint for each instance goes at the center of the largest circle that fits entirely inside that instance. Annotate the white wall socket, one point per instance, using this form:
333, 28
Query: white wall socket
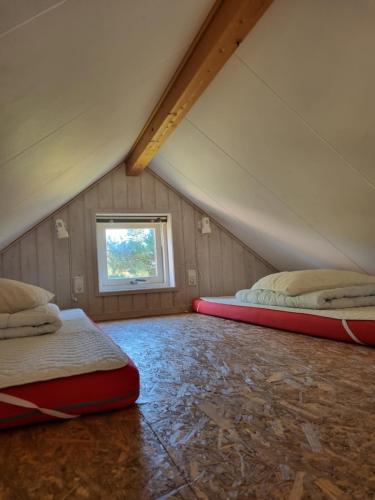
192, 277
78, 284
206, 228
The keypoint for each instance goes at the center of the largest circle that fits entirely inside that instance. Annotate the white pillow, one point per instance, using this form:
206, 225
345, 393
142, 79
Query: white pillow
17, 296
311, 280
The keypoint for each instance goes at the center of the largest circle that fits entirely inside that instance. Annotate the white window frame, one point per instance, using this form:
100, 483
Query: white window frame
163, 247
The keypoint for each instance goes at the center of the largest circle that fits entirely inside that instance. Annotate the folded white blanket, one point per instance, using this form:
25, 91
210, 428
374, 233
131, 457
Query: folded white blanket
36, 321
337, 298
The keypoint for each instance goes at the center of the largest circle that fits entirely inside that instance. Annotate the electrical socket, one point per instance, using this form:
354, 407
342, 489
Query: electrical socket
206, 228
78, 284
192, 277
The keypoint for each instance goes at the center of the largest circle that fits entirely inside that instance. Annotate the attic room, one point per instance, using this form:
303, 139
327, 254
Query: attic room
187, 272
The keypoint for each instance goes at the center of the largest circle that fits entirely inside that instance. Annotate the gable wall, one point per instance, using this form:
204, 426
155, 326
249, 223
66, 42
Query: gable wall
224, 264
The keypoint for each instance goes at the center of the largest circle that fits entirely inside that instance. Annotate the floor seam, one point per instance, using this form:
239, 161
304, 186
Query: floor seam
183, 475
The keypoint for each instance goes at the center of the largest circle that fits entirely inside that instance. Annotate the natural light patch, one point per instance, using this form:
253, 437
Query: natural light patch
131, 253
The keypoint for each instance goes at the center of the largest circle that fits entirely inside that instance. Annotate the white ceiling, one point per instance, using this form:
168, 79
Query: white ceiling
78, 80
281, 147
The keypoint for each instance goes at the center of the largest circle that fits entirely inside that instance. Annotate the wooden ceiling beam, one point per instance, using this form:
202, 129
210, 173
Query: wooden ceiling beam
227, 24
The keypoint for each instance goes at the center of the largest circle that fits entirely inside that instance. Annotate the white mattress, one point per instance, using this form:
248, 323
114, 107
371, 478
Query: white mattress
352, 313
77, 347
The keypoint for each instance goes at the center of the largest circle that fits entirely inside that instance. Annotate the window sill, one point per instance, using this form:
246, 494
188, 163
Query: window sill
137, 291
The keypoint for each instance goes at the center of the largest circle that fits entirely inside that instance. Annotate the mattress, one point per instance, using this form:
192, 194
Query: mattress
356, 325
106, 379
70, 397
78, 347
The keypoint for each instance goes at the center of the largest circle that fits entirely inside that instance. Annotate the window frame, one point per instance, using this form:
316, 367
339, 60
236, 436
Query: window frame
165, 279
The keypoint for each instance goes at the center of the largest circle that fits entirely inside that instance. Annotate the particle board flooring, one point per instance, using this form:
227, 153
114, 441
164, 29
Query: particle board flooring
227, 411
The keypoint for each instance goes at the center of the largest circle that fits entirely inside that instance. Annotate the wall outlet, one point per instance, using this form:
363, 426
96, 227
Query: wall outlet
206, 228
192, 277
78, 284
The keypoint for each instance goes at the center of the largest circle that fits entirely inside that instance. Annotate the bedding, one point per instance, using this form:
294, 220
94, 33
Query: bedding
17, 296
337, 298
77, 347
36, 321
310, 280
75, 371
355, 325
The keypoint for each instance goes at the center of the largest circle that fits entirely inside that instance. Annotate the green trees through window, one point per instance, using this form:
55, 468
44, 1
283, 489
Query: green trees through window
131, 253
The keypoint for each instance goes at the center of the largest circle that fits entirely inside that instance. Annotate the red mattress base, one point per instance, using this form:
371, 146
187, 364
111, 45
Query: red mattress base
308, 324
76, 395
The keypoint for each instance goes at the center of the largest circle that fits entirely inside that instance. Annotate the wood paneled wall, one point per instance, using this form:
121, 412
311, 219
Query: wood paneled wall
223, 263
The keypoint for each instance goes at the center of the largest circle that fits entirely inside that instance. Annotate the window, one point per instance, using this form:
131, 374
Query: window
134, 251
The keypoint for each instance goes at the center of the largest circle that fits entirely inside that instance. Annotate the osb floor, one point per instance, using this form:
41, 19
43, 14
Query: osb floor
227, 411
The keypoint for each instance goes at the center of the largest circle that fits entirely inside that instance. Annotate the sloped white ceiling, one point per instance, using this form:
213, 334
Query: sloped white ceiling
281, 147
78, 80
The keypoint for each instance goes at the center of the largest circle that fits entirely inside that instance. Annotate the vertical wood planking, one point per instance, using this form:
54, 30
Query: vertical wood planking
105, 201
223, 264
119, 188
139, 302
125, 303
162, 205
245, 275
249, 262
262, 269
134, 192
188, 226
105, 194
161, 196
238, 266
95, 305
46, 264
227, 264
12, 262
29, 259
148, 191
216, 268
77, 248
153, 301
178, 248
